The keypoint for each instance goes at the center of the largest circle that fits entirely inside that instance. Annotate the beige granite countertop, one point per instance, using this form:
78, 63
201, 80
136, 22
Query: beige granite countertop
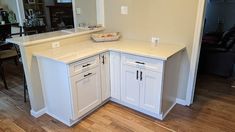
50, 36
78, 51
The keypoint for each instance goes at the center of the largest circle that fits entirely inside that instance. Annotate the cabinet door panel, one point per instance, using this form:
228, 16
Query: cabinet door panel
130, 85
86, 92
150, 88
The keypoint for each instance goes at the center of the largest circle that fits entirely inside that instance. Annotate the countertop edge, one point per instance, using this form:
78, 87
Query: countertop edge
108, 50
54, 38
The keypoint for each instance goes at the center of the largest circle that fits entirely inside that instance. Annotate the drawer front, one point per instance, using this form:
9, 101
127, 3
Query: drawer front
83, 65
143, 62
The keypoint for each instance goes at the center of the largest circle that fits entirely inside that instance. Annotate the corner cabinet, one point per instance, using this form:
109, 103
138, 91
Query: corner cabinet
72, 91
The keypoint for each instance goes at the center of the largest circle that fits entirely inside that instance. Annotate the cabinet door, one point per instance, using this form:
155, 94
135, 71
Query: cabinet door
86, 92
105, 76
130, 85
115, 75
150, 90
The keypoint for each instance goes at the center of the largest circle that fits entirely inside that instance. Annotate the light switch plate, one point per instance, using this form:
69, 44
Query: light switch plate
124, 10
78, 11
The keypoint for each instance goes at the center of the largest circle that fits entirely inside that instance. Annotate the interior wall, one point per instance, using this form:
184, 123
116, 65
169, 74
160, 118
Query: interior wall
11, 5
88, 12
16, 7
172, 21
223, 11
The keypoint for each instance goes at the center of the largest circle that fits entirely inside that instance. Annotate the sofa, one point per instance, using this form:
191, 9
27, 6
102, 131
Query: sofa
218, 53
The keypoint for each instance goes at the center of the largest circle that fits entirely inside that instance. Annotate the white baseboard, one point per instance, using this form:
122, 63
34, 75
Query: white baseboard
39, 113
181, 101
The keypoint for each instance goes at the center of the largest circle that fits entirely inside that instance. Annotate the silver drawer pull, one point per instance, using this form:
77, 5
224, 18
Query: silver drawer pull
142, 63
87, 75
86, 65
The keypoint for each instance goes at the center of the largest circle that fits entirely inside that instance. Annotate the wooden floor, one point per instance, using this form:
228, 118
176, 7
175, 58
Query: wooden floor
213, 111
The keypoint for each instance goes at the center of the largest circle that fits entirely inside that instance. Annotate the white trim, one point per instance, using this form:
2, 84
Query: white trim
195, 51
138, 109
181, 101
74, 13
21, 12
39, 113
99, 10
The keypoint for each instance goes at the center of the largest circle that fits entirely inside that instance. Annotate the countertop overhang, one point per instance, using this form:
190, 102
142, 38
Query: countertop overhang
50, 36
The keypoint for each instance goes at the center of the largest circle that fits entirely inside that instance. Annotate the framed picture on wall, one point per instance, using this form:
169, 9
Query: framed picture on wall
30, 11
31, 1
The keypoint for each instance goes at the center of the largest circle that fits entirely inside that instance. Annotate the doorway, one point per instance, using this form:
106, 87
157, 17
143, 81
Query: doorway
215, 73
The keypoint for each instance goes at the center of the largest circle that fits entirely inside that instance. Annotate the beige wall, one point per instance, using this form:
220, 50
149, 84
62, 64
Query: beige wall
88, 12
172, 20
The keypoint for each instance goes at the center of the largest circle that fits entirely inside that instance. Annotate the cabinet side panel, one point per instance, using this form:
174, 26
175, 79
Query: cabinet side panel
171, 82
105, 75
55, 83
115, 75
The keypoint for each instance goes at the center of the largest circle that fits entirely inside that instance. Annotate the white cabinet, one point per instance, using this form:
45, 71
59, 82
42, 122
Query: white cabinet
150, 86
71, 91
115, 75
141, 83
130, 85
105, 76
86, 92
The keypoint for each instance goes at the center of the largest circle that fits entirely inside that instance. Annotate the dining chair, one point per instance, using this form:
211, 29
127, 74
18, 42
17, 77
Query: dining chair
8, 51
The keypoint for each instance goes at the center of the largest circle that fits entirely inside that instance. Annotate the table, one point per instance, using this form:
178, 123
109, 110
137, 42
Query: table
5, 30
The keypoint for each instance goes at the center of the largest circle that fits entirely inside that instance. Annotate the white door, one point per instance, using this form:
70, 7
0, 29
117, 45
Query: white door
150, 87
105, 76
115, 75
130, 85
86, 92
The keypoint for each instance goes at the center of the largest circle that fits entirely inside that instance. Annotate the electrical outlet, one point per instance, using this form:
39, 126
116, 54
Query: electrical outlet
155, 40
55, 45
124, 10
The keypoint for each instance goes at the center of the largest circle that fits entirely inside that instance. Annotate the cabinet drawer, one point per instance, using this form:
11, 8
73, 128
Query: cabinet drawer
83, 65
143, 62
